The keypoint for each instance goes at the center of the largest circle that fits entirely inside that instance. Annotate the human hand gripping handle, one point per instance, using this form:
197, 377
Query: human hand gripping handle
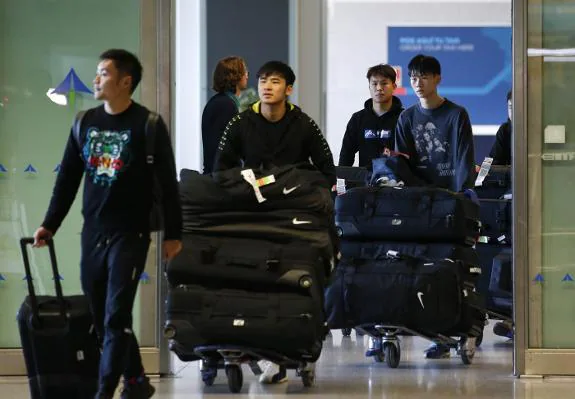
171, 249
41, 236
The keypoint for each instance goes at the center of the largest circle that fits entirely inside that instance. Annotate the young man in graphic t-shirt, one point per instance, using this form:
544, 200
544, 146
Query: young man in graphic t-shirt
436, 135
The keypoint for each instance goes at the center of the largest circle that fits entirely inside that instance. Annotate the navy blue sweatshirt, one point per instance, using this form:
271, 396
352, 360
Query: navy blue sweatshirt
219, 110
369, 134
118, 181
439, 143
501, 150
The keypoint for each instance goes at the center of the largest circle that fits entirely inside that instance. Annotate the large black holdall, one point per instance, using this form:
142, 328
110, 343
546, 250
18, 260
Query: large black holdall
408, 292
245, 262
59, 343
417, 214
496, 221
496, 184
289, 322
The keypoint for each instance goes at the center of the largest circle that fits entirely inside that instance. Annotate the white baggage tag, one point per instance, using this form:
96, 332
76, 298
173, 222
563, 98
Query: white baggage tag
250, 177
484, 171
340, 186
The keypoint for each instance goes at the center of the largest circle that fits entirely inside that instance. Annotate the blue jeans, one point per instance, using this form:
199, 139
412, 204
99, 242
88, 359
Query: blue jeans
110, 266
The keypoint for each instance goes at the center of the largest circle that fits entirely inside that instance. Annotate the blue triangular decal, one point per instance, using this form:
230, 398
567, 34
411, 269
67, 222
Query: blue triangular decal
26, 277
538, 278
567, 277
30, 169
3, 169
2, 278
59, 277
145, 277
57, 168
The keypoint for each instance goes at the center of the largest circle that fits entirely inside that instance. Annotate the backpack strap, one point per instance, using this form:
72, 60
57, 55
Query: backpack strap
150, 132
77, 128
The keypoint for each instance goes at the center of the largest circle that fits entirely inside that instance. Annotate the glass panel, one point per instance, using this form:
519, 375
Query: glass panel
40, 41
551, 147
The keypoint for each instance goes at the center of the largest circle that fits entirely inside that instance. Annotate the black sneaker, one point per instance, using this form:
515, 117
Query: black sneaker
140, 390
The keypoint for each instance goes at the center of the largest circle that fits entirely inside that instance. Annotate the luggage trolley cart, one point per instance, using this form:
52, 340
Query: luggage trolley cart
231, 358
391, 347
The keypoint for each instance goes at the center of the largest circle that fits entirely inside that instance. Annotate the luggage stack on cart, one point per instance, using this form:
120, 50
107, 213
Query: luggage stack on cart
407, 268
494, 244
249, 282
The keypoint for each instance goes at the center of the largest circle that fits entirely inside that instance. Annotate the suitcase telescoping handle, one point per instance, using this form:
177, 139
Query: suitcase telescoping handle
24, 242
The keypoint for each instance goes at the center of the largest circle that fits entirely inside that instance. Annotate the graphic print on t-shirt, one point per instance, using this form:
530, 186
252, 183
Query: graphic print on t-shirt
106, 154
433, 149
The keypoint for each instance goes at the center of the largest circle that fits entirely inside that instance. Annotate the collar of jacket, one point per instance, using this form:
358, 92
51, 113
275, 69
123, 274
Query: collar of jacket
257, 105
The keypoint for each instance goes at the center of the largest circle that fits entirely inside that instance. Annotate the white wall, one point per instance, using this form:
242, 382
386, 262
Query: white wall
189, 82
357, 39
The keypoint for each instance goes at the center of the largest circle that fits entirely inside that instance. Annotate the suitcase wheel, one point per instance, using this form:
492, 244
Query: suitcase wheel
346, 332
307, 375
467, 350
392, 354
235, 378
209, 373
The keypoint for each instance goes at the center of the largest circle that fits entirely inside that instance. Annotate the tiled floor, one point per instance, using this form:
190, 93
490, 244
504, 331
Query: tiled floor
344, 372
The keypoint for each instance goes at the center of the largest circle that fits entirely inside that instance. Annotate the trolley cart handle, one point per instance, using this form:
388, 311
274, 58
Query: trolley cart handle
24, 242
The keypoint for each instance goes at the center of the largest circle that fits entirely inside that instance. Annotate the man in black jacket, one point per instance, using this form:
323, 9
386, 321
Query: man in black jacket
274, 131
229, 79
111, 153
501, 150
371, 130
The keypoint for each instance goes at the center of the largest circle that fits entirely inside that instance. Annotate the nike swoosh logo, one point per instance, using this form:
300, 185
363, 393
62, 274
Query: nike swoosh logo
420, 297
289, 190
296, 221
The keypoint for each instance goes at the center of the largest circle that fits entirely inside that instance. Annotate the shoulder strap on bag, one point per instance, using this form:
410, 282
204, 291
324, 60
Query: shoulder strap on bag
150, 132
77, 128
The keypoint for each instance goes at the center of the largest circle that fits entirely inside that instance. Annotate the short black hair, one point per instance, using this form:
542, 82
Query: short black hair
385, 70
424, 65
509, 95
277, 68
126, 63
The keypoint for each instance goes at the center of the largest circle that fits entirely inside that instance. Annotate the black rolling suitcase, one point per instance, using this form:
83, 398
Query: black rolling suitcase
496, 184
60, 347
423, 214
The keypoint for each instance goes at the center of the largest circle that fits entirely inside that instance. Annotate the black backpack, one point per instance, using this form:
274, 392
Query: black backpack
157, 214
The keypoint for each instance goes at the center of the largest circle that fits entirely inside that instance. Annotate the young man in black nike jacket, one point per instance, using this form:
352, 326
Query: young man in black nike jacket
371, 130
274, 132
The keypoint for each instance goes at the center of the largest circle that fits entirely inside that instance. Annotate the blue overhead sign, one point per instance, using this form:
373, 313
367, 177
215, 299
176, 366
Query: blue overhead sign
475, 66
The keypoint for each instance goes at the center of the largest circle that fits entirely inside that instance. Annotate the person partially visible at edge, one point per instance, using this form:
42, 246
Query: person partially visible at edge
274, 132
501, 150
370, 131
230, 77
436, 135
111, 153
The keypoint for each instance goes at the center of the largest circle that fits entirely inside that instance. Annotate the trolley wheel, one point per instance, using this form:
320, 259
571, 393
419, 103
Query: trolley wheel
392, 355
209, 376
346, 332
308, 378
235, 378
479, 340
379, 357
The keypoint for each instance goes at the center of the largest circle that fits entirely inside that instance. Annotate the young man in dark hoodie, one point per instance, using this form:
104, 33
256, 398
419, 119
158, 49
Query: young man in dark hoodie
274, 132
436, 135
229, 79
501, 150
371, 130
110, 152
